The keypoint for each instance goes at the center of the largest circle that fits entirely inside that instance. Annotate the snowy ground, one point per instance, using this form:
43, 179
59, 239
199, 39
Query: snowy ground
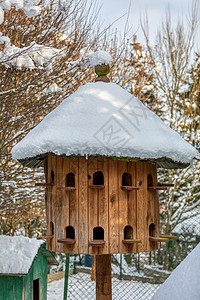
82, 288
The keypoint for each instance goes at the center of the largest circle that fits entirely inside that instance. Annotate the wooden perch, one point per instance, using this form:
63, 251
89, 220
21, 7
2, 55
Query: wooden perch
129, 188
97, 243
96, 186
67, 241
67, 188
127, 241
44, 184
45, 237
158, 239
170, 237
166, 184
157, 188
161, 187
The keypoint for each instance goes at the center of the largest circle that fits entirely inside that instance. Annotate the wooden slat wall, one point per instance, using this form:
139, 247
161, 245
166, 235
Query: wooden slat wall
123, 208
141, 181
59, 203
83, 206
49, 200
46, 192
52, 198
66, 195
153, 205
93, 204
132, 206
74, 202
111, 208
102, 165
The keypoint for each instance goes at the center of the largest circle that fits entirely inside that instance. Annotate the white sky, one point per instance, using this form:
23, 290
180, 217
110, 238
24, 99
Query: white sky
113, 9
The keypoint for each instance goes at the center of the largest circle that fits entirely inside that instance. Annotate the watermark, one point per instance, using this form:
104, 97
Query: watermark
134, 111
114, 133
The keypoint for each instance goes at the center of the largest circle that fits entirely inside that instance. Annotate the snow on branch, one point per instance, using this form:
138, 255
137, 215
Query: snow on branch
32, 57
30, 7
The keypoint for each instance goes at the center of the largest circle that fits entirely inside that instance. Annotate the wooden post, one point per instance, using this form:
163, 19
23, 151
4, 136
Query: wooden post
93, 274
103, 277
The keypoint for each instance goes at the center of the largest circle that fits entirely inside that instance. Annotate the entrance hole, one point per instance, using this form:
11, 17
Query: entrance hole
51, 228
98, 178
126, 179
70, 180
98, 233
152, 230
149, 180
52, 177
128, 233
70, 232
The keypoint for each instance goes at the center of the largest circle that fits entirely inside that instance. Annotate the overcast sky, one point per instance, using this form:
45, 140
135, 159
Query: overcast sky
113, 9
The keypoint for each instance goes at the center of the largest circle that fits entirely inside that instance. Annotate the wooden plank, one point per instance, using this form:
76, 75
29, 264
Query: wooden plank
141, 182
54, 198
102, 198
65, 211
83, 206
73, 203
132, 206
103, 277
50, 215
114, 206
153, 205
46, 190
123, 206
59, 203
156, 204
93, 219
50, 207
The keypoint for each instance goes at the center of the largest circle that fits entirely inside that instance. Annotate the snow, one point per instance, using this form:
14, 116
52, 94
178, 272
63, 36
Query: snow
54, 88
183, 283
17, 254
30, 7
81, 287
34, 56
104, 119
99, 58
1, 15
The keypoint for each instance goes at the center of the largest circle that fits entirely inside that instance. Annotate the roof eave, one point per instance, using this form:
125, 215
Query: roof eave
163, 162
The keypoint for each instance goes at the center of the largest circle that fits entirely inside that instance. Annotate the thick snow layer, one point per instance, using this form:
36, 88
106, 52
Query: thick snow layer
99, 58
183, 283
17, 254
104, 119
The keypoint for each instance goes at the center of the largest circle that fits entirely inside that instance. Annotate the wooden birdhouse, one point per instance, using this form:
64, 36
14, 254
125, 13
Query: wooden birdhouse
100, 149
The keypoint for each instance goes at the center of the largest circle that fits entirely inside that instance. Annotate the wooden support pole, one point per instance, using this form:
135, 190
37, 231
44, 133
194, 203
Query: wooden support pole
93, 273
103, 277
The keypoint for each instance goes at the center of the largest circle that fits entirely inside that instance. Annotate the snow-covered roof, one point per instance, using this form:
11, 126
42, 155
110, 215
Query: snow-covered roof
103, 119
17, 254
183, 283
